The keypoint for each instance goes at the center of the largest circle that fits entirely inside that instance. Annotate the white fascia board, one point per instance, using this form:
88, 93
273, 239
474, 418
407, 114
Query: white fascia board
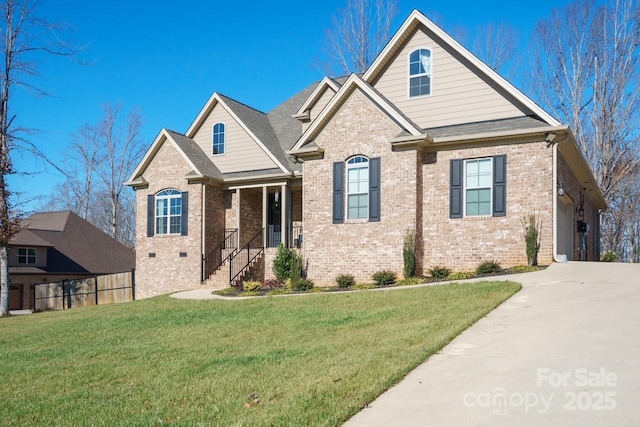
355, 82
315, 95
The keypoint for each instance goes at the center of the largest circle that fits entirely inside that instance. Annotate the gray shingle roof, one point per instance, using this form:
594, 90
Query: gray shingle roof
512, 124
195, 154
75, 245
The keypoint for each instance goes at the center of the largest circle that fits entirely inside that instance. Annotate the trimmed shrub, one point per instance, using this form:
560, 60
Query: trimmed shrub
251, 286
226, 292
302, 285
409, 253
524, 269
488, 267
345, 280
608, 256
282, 264
461, 275
384, 277
439, 273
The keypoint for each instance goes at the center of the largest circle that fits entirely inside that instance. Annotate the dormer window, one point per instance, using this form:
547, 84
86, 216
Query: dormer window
218, 138
420, 64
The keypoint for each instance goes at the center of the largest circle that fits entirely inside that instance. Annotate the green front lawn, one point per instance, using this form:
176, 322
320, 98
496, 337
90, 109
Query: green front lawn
309, 360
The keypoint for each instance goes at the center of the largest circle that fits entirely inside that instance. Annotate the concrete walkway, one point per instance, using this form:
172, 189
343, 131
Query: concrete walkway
564, 351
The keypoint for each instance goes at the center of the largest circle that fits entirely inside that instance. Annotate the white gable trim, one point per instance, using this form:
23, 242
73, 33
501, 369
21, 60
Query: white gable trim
416, 18
204, 113
354, 82
325, 84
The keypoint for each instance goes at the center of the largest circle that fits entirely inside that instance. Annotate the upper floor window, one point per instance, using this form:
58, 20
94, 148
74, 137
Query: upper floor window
26, 256
168, 212
358, 188
218, 138
420, 62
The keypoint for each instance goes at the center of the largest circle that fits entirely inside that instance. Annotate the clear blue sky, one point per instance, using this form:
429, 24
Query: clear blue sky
167, 57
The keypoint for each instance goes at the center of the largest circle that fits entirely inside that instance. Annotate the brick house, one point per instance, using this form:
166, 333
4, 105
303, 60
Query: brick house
428, 139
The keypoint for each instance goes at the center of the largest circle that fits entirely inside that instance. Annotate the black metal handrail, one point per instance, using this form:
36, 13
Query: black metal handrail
240, 261
217, 256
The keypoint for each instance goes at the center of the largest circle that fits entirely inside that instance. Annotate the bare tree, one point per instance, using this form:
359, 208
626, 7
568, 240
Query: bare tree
358, 34
23, 35
586, 72
496, 45
99, 160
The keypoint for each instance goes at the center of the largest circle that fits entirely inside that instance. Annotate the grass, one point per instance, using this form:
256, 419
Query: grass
312, 360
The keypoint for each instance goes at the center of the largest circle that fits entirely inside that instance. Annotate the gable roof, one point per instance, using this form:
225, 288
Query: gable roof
325, 84
75, 245
417, 19
201, 166
355, 82
254, 122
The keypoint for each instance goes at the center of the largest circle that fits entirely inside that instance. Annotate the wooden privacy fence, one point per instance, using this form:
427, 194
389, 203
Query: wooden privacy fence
105, 289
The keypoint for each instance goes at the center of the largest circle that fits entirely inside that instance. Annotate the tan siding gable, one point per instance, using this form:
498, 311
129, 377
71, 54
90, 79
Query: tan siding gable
242, 153
315, 110
458, 95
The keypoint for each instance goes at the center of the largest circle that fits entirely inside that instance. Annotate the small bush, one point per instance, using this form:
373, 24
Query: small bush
278, 291
288, 284
345, 280
532, 226
410, 281
282, 264
251, 286
363, 286
439, 273
608, 256
302, 285
272, 284
384, 277
488, 267
524, 269
249, 294
461, 275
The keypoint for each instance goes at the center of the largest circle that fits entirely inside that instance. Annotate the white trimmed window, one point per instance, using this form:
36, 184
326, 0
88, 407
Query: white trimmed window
478, 180
27, 256
168, 212
358, 188
218, 138
420, 65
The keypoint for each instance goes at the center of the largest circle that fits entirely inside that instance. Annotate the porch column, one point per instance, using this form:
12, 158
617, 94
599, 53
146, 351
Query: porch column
238, 191
283, 215
265, 202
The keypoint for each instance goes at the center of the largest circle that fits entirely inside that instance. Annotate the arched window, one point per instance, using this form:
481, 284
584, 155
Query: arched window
168, 212
420, 64
358, 188
218, 138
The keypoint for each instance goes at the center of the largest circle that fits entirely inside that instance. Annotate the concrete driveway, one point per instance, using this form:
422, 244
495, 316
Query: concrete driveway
564, 351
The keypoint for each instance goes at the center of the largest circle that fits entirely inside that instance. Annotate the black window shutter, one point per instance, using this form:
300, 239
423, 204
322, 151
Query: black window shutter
150, 215
184, 226
455, 189
374, 189
338, 192
500, 185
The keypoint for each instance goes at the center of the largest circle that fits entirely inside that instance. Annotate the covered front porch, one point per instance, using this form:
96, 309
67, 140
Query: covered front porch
257, 218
